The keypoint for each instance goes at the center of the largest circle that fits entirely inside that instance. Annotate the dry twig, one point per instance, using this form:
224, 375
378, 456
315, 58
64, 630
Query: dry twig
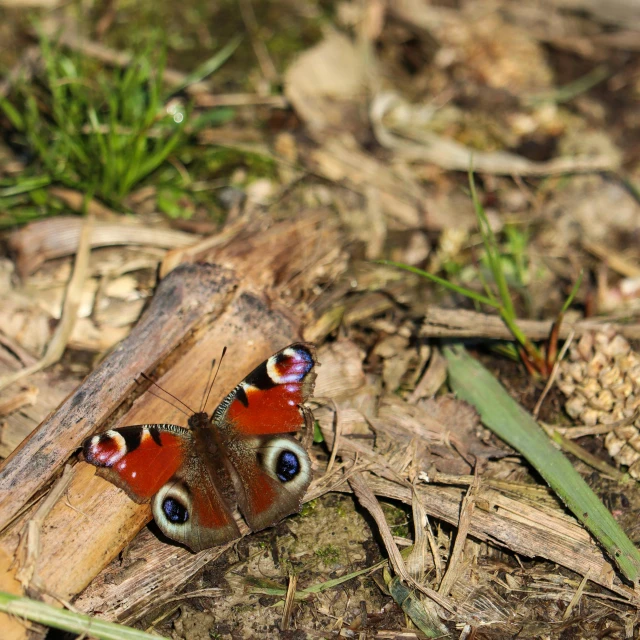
466, 513
368, 500
554, 374
460, 323
59, 340
289, 602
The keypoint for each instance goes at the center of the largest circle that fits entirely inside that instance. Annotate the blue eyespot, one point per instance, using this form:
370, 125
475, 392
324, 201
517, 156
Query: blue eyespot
175, 512
287, 466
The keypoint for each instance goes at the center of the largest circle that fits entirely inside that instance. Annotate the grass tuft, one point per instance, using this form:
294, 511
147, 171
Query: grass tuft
500, 298
96, 130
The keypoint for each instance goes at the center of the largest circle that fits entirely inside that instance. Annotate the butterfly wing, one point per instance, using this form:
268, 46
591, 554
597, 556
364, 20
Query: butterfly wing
274, 473
190, 491
273, 469
269, 399
138, 459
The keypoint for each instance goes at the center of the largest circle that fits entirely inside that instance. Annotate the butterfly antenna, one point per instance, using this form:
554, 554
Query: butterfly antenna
175, 406
146, 377
224, 350
206, 387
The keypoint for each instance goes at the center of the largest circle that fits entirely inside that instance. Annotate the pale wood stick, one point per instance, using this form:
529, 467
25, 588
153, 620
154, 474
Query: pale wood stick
461, 323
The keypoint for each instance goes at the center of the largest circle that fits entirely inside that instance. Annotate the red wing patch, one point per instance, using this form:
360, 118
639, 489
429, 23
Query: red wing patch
209, 510
268, 400
261, 493
138, 459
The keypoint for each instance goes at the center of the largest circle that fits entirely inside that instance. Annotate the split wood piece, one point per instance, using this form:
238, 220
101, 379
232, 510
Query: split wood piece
460, 323
290, 256
151, 574
181, 303
86, 531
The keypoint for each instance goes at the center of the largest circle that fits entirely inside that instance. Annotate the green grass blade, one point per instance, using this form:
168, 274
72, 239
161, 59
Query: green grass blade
24, 185
317, 588
208, 66
485, 285
415, 608
159, 156
12, 114
572, 295
445, 283
50, 616
329, 584
507, 419
493, 252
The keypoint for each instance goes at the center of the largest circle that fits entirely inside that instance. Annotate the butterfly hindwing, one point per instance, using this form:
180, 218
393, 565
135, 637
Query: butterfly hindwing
274, 473
193, 507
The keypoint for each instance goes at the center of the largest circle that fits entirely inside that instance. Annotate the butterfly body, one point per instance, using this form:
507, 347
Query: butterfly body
242, 455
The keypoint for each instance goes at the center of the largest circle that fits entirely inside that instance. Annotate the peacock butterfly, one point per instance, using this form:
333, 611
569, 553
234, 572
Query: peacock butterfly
242, 455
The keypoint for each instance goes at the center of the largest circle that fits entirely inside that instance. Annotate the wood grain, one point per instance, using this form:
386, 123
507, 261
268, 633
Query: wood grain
86, 531
518, 525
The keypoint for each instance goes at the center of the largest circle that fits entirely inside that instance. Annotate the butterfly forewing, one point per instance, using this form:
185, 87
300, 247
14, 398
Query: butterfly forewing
268, 400
190, 496
139, 459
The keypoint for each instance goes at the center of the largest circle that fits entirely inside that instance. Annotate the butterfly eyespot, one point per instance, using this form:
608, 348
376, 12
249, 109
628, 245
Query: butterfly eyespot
287, 466
175, 511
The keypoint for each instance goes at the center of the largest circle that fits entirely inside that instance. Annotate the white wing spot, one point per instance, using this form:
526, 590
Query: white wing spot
272, 371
